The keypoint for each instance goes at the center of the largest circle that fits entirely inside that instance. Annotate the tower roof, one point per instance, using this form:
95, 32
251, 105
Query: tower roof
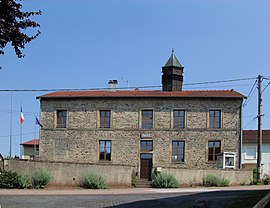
173, 61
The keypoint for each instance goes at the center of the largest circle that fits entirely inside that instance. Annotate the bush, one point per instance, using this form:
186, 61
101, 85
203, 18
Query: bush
25, 182
91, 180
9, 179
164, 180
40, 178
212, 180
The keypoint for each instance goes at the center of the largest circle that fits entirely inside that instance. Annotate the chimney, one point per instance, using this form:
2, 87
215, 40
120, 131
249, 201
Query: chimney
112, 85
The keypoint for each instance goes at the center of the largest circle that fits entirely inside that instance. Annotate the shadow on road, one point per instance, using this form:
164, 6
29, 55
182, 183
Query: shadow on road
227, 199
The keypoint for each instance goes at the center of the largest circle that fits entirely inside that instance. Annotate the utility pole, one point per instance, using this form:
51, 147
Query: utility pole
259, 141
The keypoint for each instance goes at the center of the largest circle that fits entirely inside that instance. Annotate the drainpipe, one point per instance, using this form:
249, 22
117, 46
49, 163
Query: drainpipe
240, 137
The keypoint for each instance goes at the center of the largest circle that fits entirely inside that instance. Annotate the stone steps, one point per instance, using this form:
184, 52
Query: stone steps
143, 183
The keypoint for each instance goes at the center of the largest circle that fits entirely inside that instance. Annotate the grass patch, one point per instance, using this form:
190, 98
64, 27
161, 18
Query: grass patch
248, 200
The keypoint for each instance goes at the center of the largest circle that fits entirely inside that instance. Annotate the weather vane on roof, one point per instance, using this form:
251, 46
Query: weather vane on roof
172, 50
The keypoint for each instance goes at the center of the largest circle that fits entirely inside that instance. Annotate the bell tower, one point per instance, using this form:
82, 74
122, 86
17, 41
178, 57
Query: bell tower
172, 78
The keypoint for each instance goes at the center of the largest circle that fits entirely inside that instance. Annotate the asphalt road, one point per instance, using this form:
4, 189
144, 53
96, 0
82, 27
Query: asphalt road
149, 198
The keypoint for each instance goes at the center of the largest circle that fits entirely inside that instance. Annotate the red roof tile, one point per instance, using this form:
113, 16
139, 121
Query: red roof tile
251, 136
145, 93
31, 142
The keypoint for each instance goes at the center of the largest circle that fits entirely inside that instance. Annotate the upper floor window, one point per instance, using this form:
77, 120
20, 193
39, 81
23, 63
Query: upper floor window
178, 150
179, 119
214, 118
105, 119
214, 148
146, 145
147, 119
105, 150
61, 116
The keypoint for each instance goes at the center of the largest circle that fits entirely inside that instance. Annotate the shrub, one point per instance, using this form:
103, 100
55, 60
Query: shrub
223, 182
213, 180
40, 178
9, 179
91, 180
25, 182
164, 180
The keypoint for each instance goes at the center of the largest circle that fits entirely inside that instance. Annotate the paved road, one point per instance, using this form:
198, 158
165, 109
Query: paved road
122, 198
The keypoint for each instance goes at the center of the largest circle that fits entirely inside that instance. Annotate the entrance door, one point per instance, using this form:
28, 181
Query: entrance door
146, 165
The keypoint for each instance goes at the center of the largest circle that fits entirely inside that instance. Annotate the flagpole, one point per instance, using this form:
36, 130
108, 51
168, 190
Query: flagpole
10, 133
35, 138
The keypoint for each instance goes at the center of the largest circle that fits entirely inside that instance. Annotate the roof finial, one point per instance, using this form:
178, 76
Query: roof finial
172, 50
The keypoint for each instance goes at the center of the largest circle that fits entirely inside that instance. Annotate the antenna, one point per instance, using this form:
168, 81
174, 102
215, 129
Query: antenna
125, 80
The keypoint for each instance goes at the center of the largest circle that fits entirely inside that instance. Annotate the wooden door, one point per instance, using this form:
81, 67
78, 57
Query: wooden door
146, 168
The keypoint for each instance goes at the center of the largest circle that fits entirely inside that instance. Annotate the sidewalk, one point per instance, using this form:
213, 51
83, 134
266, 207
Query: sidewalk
32, 192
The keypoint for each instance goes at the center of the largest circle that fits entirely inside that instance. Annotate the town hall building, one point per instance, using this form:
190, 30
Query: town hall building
145, 129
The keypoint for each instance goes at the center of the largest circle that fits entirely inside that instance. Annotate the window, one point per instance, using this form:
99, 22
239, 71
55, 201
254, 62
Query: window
61, 119
146, 146
147, 119
251, 153
213, 150
214, 118
179, 119
178, 151
105, 150
105, 119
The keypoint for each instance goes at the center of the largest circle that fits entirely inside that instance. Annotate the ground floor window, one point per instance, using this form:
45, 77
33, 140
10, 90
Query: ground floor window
214, 148
105, 150
178, 151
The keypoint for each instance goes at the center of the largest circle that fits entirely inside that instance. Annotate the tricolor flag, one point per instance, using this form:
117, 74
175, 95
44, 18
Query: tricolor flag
22, 117
38, 122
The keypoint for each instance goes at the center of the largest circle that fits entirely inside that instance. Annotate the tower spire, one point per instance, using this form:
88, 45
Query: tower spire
172, 78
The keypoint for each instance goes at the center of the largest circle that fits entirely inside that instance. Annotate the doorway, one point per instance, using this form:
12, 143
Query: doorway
146, 165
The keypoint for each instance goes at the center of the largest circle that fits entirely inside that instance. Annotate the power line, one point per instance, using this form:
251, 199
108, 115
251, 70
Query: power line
85, 89
18, 134
250, 94
17, 112
265, 87
252, 121
220, 81
219, 86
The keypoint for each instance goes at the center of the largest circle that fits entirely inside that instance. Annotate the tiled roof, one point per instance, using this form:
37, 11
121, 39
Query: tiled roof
145, 94
31, 142
251, 136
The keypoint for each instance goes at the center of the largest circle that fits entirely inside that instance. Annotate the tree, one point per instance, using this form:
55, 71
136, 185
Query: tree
12, 23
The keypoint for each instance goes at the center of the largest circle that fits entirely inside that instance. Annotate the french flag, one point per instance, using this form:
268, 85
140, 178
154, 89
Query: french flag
22, 117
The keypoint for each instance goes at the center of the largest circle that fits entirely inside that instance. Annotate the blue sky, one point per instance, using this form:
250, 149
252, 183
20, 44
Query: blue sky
85, 43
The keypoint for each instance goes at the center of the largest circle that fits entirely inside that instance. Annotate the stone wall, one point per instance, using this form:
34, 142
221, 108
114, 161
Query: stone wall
69, 174
195, 177
80, 140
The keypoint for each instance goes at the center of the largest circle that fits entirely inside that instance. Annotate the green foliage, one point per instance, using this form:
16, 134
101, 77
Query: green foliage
40, 178
25, 182
213, 180
164, 180
9, 179
91, 180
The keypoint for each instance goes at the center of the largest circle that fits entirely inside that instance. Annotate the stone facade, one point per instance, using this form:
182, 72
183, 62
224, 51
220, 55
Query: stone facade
79, 141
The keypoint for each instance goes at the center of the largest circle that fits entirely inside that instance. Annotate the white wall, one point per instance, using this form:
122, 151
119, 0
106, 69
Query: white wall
249, 155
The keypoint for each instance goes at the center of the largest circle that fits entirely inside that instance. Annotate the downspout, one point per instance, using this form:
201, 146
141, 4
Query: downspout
240, 136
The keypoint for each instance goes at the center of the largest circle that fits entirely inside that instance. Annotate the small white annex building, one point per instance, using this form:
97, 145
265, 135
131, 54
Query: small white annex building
249, 150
